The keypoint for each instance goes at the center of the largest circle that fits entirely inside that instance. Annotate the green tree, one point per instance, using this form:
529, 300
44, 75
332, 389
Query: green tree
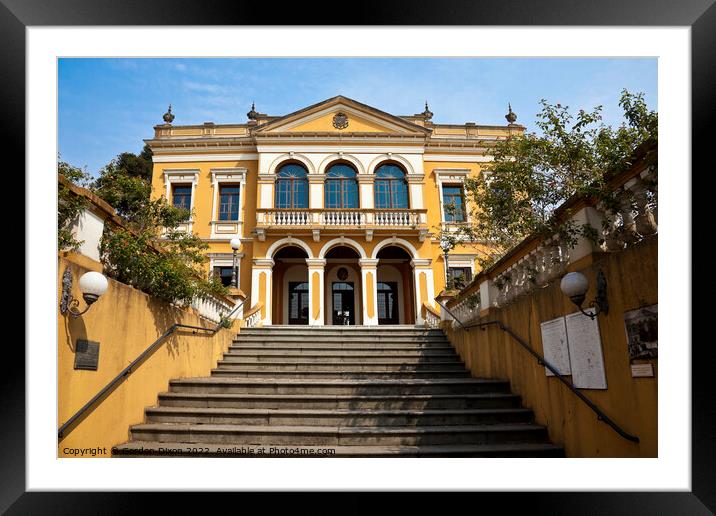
125, 182
147, 252
169, 268
533, 174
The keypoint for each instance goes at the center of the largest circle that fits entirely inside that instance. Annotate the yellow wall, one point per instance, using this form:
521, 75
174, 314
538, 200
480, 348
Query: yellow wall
325, 123
203, 214
631, 402
124, 321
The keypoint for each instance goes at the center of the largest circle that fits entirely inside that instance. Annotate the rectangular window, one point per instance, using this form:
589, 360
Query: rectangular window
461, 276
181, 197
224, 274
454, 203
229, 202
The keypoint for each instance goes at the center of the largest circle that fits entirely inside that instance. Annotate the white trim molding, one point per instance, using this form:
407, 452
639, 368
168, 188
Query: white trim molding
181, 176
459, 158
186, 158
451, 176
223, 229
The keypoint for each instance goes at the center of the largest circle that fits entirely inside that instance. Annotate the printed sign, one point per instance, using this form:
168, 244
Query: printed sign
555, 346
585, 351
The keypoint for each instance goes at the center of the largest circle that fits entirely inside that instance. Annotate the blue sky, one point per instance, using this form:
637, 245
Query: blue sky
108, 106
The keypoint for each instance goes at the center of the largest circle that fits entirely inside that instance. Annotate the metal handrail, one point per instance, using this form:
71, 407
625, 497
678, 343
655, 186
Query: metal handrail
124, 373
601, 416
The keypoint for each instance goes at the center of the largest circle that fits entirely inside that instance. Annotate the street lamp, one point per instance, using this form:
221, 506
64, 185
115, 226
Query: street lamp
574, 285
235, 244
92, 285
446, 245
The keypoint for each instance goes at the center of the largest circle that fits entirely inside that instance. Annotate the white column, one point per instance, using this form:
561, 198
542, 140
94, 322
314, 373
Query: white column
422, 266
315, 193
266, 184
316, 266
369, 290
415, 183
264, 265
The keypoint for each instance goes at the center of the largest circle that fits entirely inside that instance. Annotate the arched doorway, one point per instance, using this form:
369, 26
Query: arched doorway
290, 286
395, 296
343, 287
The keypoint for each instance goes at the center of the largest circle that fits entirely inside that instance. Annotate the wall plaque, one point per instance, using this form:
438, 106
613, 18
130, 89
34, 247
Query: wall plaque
585, 351
554, 344
86, 355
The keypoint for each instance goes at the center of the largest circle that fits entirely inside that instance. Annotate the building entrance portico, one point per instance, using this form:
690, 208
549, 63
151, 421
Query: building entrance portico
343, 286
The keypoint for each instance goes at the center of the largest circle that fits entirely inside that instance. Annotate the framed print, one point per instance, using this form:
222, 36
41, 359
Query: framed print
312, 242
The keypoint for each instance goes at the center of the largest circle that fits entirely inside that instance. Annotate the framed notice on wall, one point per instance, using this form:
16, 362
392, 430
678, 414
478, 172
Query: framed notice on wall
555, 347
585, 351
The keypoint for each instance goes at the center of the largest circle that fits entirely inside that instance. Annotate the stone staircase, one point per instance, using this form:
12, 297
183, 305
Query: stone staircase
339, 391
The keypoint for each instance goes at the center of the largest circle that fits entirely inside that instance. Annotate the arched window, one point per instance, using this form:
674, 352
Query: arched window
391, 188
292, 186
341, 187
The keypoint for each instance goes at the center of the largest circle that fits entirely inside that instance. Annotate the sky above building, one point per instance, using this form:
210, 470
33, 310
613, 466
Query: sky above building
109, 106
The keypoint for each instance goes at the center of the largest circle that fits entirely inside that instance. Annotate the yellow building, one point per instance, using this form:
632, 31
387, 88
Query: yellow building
338, 206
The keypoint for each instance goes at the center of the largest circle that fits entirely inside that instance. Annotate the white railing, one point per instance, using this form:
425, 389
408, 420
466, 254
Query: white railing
284, 218
431, 317
253, 316
363, 218
627, 221
213, 309
397, 218
342, 218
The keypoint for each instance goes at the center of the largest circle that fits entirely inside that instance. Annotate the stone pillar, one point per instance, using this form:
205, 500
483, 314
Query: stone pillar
369, 289
316, 291
262, 287
424, 286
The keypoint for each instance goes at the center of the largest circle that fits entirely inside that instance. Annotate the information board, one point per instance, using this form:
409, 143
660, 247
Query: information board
555, 346
585, 351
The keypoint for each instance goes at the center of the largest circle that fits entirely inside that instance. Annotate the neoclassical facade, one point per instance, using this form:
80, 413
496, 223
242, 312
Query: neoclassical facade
338, 206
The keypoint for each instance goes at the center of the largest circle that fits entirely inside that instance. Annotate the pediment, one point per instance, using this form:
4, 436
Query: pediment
341, 115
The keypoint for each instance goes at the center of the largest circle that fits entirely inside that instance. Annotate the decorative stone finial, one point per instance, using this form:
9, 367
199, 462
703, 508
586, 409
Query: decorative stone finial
427, 113
252, 115
168, 116
510, 116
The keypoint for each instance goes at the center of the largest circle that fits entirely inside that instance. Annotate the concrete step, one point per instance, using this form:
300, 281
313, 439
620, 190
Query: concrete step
334, 402
277, 385
342, 330
334, 365
328, 339
238, 372
343, 417
318, 350
338, 436
194, 449
342, 358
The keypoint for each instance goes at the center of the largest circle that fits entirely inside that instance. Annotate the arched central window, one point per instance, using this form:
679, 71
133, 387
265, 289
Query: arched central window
341, 187
391, 188
292, 186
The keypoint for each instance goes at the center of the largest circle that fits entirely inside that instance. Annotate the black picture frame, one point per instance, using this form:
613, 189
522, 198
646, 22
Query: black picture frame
700, 15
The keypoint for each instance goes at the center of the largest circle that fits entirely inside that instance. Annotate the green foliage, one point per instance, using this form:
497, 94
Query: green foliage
170, 268
125, 183
69, 206
148, 253
532, 175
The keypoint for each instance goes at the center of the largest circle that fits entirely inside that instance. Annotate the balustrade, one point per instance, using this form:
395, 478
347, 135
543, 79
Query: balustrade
338, 217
